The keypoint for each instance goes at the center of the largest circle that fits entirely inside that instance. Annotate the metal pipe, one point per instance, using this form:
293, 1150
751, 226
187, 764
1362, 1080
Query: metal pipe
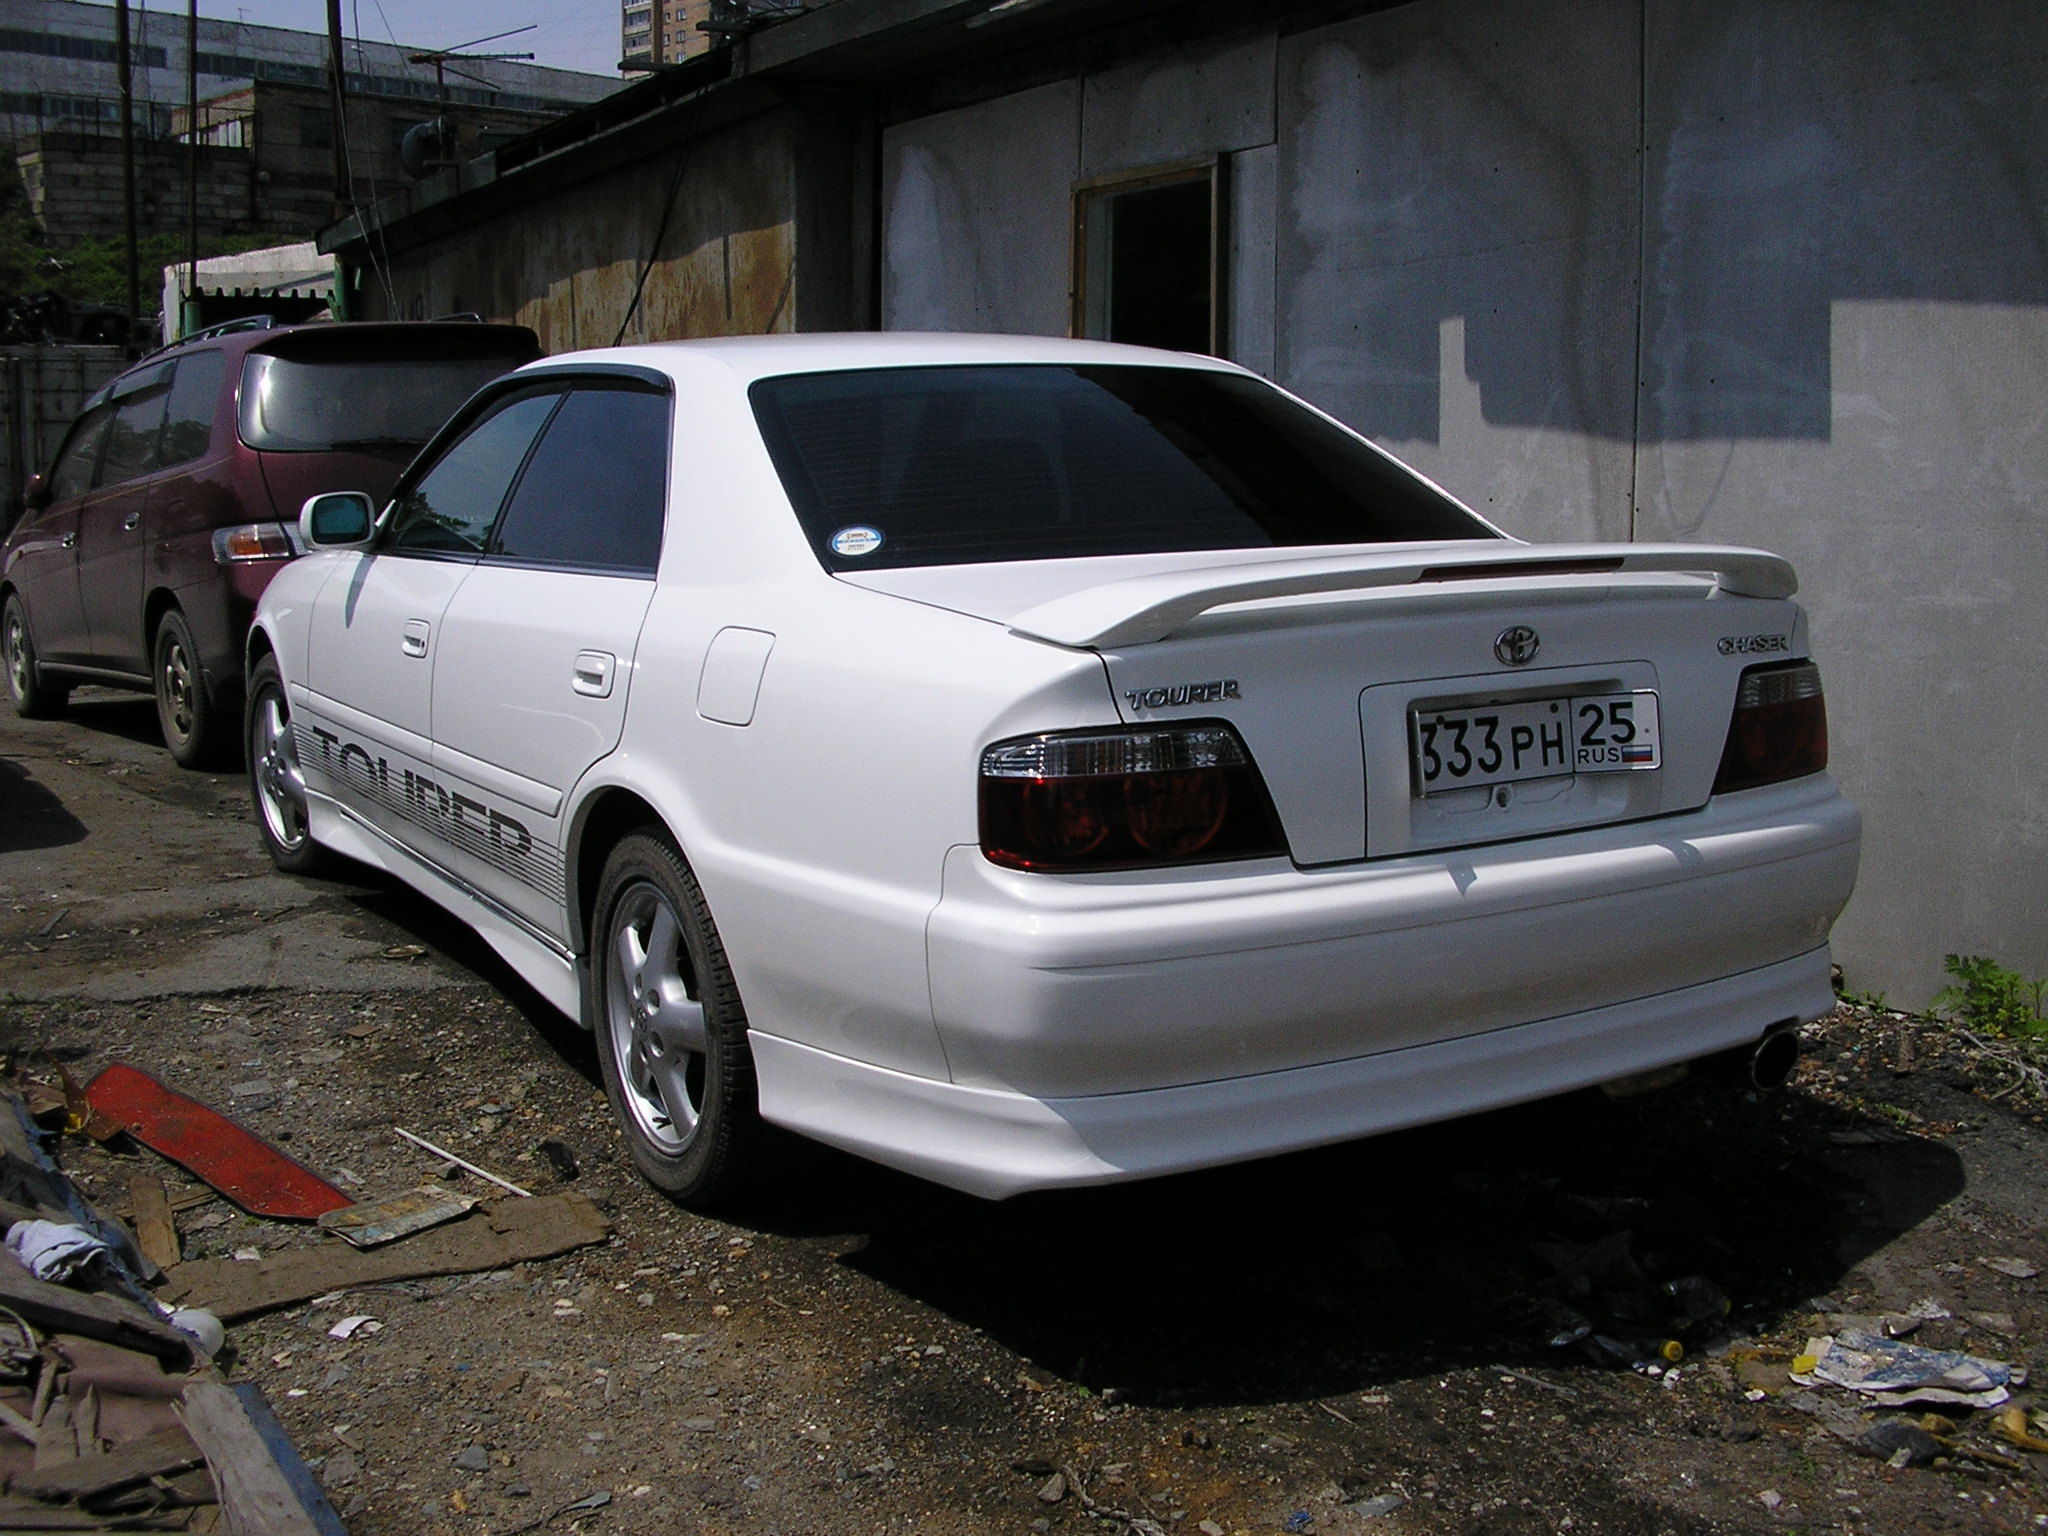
191, 293
122, 65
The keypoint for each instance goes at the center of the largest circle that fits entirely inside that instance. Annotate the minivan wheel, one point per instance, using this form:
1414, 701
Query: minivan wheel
671, 1032
276, 782
34, 696
199, 735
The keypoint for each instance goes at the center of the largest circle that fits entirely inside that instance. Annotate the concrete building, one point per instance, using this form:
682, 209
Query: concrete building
57, 67
266, 162
657, 32
1755, 271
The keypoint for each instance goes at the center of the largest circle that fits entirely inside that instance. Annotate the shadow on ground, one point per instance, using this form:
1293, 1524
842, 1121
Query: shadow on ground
384, 898
130, 716
1433, 1250
30, 816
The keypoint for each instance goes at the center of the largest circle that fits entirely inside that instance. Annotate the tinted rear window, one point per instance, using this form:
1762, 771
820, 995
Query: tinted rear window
942, 466
294, 405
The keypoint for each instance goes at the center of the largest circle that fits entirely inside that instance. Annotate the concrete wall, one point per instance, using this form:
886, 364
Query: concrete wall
1767, 271
74, 186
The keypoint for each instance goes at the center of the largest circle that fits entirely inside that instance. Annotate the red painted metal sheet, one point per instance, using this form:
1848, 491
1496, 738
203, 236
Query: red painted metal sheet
242, 1166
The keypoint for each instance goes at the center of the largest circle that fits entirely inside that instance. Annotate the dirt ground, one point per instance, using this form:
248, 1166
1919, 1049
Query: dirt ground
1353, 1341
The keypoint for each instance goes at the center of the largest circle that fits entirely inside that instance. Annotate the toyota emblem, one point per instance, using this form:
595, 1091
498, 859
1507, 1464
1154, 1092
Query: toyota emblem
1517, 647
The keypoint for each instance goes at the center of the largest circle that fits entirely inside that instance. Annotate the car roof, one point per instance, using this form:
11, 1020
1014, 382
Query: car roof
761, 357
236, 343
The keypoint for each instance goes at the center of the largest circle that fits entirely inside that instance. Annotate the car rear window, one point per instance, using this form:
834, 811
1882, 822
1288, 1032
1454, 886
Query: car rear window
305, 405
951, 465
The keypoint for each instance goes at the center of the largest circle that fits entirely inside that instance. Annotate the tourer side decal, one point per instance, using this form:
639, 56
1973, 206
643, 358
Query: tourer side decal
456, 816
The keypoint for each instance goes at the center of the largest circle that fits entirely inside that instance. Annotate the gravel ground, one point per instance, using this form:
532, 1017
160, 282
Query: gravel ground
1351, 1341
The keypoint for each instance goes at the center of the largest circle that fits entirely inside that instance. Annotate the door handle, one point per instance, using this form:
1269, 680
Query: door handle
128, 523
69, 541
413, 638
593, 675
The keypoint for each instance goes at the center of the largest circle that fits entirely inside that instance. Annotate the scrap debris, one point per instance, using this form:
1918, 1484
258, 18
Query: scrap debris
112, 1416
496, 1235
241, 1165
1890, 1371
382, 1221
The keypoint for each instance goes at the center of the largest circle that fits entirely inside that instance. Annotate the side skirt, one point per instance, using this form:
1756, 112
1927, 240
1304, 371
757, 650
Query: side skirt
540, 961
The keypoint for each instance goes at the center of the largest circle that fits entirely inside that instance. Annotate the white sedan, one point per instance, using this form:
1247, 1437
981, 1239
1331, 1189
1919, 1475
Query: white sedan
1035, 763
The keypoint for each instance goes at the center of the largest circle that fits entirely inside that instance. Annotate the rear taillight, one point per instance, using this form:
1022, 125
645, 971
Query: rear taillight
252, 541
1125, 800
1780, 728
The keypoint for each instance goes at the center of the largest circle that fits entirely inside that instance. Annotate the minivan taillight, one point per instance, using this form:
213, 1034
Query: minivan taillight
252, 541
1780, 727
1184, 794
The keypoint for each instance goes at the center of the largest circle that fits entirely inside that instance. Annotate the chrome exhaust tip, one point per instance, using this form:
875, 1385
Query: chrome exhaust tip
1765, 1065
1772, 1059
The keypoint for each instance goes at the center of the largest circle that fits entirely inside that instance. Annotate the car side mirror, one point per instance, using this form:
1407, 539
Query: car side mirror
337, 520
36, 494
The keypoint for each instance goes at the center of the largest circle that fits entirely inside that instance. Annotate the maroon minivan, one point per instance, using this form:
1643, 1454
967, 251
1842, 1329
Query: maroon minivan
175, 497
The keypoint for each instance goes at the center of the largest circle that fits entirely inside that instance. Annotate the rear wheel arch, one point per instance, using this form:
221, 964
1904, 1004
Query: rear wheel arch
600, 823
160, 601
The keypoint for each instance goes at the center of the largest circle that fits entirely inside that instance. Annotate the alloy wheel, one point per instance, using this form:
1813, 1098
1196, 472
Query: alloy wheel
657, 1023
280, 784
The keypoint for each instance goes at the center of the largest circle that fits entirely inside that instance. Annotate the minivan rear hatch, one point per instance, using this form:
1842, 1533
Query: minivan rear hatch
345, 407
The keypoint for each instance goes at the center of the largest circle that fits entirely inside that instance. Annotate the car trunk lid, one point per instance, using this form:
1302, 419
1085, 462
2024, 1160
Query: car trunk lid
1324, 664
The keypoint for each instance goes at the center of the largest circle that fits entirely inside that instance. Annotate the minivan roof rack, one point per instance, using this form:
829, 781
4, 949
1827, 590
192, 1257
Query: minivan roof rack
226, 327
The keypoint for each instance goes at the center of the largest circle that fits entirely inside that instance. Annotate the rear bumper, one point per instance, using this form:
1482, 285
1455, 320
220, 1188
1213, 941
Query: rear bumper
994, 1143
1071, 987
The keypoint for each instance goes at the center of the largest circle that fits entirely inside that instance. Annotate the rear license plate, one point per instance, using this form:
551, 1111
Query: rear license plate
1534, 739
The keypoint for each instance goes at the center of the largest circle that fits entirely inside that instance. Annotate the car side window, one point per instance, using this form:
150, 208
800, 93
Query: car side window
593, 494
450, 509
132, 436
72, 474
188, 419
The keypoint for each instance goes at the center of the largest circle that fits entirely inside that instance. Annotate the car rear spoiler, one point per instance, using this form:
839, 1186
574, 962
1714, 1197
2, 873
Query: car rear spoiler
1148, 608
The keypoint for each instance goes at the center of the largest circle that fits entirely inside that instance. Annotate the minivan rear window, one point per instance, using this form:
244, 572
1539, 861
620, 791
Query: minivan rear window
985, 462
298, 405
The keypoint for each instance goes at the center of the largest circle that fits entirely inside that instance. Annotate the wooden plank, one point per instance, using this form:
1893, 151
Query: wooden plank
59, 1309
493, 1236
32, 1515
263, 1484
58, 1443
168, 1450
155, 1232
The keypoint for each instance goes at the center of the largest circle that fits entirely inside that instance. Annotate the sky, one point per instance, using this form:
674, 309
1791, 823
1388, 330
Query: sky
569, 34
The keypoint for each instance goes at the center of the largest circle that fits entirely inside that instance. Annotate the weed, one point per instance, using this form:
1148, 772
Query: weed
1992, 1000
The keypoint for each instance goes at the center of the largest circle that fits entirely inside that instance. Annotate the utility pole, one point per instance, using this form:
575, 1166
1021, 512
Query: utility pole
344, 182
121, 64
191, 294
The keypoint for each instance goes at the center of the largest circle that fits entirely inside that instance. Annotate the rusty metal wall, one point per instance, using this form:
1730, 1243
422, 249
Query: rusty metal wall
566, 265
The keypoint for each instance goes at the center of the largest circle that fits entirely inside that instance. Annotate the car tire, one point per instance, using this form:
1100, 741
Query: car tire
34, 696
199, 734
276, 782
671, 1031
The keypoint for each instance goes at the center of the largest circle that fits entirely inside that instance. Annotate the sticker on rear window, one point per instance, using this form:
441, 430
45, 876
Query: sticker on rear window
856, 541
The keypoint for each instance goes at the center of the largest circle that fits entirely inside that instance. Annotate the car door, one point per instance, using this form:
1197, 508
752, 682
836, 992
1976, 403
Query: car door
113, 532
530, 689
373, 639
45, 565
